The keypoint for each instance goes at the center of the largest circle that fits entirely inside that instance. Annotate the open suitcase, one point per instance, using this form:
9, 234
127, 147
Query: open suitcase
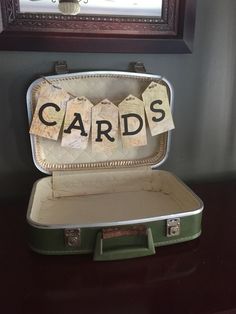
116, 206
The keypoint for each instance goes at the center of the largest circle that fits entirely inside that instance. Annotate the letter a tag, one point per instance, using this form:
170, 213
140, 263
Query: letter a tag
104, 127
132, 122
77, 123
157, 108
49, 112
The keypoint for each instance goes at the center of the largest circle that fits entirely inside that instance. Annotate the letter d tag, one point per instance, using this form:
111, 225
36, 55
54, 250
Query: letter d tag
157, 108
132, 122
77, 123
49, 112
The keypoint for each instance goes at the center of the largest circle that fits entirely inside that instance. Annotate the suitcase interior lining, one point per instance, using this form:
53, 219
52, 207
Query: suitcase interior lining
165, 195
48, 153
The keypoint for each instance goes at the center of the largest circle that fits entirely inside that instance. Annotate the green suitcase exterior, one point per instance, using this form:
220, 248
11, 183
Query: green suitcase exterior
54, 241
126, 240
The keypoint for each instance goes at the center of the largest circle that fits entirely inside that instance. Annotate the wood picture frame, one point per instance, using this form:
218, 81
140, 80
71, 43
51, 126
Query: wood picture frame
173, 32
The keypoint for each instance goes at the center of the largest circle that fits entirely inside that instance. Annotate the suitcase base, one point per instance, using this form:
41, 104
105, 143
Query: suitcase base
155, 210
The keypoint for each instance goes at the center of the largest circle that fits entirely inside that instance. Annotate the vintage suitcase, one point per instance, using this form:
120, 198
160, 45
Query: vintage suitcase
118, 205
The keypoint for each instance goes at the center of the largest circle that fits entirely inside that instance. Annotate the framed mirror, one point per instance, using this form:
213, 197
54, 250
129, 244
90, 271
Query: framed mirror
132, 26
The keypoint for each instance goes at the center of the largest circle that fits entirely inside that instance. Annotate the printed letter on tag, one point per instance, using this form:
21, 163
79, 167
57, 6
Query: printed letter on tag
157, 108
77, 123
49, 112
132, 122
104, 127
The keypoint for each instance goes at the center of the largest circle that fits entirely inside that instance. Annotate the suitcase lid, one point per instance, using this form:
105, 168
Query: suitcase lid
50, 156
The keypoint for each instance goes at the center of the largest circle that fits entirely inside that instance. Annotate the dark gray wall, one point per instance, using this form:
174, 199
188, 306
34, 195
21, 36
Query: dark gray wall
204, 141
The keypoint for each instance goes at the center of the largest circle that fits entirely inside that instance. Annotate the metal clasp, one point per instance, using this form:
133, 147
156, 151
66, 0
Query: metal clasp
173, 227
72, 237
137, 67
61, 67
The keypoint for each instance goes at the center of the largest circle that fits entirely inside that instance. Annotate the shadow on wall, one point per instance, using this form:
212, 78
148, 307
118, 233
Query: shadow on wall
215, 141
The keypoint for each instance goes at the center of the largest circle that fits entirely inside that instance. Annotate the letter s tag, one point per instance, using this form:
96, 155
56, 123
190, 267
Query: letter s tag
157, 108
49, 112
132, 122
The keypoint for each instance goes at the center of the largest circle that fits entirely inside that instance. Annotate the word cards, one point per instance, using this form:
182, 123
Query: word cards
76, 120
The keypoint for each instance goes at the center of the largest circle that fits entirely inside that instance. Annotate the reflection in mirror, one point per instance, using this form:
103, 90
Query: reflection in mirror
131, 26
147, 8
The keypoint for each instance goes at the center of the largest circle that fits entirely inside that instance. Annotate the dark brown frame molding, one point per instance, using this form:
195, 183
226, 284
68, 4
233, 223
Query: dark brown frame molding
173, 32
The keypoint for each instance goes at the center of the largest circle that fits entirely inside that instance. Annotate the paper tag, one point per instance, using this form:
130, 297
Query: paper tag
49, 113
104, 127
132, 122
77, 123
157, 108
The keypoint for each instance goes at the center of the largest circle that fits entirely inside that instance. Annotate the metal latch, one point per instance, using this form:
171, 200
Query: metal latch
72, 237
137, 67
61, 67
173, 227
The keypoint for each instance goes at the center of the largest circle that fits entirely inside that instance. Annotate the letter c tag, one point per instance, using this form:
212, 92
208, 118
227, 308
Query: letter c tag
49, 112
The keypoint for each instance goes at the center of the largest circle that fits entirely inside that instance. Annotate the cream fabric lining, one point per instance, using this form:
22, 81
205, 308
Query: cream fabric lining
103, 181
110, 197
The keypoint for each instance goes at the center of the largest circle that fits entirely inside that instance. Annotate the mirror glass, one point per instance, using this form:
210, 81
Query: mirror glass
142, 8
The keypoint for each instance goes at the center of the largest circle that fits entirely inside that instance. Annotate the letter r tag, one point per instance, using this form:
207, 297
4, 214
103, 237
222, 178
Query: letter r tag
157, 108
49, 112
132, 122
104, 127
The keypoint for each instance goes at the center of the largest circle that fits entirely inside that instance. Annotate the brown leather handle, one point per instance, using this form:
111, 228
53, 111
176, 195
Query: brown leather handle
108, 233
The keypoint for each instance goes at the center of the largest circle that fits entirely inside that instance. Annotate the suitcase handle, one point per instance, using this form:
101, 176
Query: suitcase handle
124, 247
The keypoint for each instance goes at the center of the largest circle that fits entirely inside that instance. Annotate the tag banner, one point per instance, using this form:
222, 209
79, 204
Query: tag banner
78, 120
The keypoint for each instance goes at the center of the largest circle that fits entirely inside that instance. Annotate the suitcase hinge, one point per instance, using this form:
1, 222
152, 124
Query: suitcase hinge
173, 227
137, 67
61, 67
72, 237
